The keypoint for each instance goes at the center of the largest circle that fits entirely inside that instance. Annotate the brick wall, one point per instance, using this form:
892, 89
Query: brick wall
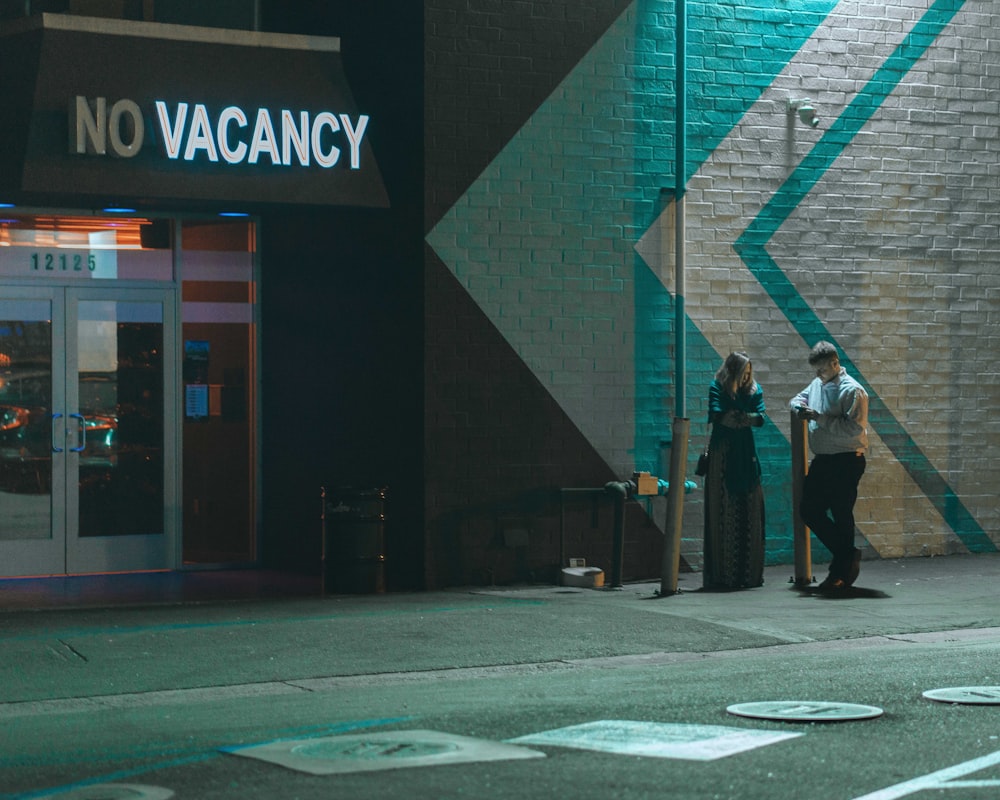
550, 274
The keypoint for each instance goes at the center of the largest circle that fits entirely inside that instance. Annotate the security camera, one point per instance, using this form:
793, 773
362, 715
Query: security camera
805, 110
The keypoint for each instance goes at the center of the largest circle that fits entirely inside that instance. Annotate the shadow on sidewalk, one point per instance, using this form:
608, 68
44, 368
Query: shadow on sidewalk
850, 593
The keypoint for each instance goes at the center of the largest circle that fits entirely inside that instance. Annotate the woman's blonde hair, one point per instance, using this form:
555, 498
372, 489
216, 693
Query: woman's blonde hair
731, 370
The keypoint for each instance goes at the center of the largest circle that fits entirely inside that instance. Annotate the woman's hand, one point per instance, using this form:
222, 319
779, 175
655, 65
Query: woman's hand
735, 419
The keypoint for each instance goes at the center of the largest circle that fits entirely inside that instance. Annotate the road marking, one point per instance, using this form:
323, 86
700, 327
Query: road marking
183, 761
112, 778
656, 739
367, 752
942, 779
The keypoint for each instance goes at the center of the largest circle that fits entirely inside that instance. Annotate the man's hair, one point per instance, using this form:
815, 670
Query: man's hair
822, 351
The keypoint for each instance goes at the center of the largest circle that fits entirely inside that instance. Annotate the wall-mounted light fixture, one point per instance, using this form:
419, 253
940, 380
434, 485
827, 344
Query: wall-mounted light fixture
805, 109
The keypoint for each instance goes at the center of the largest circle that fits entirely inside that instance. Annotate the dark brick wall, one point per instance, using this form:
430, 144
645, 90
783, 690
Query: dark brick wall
489, 64
342, 309
498, 447
497, 450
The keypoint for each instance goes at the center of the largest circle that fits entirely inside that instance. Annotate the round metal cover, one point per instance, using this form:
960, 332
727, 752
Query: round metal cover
412, 748
967, 695
805, 711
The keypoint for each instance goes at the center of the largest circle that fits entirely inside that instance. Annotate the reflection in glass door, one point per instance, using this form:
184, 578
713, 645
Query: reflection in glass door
85, 459
28, 540
116, 449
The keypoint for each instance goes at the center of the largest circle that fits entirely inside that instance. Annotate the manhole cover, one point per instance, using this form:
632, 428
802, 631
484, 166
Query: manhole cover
805, 711
967, 695
400, 748
113, 791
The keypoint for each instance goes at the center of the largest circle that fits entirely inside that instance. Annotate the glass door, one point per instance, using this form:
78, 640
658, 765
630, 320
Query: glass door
32, 539
87, 430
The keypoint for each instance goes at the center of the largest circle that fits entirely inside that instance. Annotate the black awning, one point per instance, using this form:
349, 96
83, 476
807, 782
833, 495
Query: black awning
151, 113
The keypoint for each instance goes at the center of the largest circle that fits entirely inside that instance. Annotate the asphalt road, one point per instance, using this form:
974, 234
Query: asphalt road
172, 701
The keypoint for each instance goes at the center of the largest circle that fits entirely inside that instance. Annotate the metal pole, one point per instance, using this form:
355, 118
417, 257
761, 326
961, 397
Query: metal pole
800, 533
680, 167
671, 564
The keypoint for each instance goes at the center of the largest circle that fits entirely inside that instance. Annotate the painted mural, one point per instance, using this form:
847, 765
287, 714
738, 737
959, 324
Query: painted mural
840, 183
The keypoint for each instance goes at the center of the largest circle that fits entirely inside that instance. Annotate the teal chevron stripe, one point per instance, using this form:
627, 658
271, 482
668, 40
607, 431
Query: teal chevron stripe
751, 247
732, 44
841, 133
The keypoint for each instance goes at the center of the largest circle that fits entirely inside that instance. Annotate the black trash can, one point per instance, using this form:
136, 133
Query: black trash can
353, 531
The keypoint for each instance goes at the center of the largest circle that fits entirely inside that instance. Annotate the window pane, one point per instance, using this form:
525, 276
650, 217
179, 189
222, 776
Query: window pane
25, 420
48, 248
218, 332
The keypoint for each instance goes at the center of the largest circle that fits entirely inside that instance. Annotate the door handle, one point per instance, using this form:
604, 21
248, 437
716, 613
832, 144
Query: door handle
54, 448
83, 433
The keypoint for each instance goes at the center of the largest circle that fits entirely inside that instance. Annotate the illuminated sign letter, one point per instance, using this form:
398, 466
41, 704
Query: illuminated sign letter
126, 115
264, 140
191, 132
231, 114
88, 129
354, 136
332, 156
200, 135
92, 127
171, 134
294, 137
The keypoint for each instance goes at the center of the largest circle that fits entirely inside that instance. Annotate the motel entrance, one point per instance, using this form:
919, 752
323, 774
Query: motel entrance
137, 157
127, 375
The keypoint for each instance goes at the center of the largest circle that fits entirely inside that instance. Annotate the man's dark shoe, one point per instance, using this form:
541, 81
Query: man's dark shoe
852, 573
832, 584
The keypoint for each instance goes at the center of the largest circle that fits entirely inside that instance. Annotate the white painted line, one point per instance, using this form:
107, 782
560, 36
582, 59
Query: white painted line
942, 779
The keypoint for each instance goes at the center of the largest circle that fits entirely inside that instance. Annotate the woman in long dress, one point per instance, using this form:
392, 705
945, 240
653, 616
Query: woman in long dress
734, 498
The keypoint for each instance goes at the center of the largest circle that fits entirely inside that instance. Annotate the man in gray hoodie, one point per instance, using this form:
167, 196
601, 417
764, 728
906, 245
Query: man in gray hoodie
836, 407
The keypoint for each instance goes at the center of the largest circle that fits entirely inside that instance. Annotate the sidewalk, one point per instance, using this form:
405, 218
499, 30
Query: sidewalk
891, 597
168, 646
157, 689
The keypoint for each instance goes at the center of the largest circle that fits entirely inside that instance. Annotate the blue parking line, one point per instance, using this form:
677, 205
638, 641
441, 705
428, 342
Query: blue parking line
202, 756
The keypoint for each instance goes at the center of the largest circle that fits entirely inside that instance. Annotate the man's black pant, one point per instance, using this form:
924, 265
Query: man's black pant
829, 492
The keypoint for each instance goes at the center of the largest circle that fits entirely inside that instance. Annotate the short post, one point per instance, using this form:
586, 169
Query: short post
619, 491
800, 533
322, 541
671, 564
